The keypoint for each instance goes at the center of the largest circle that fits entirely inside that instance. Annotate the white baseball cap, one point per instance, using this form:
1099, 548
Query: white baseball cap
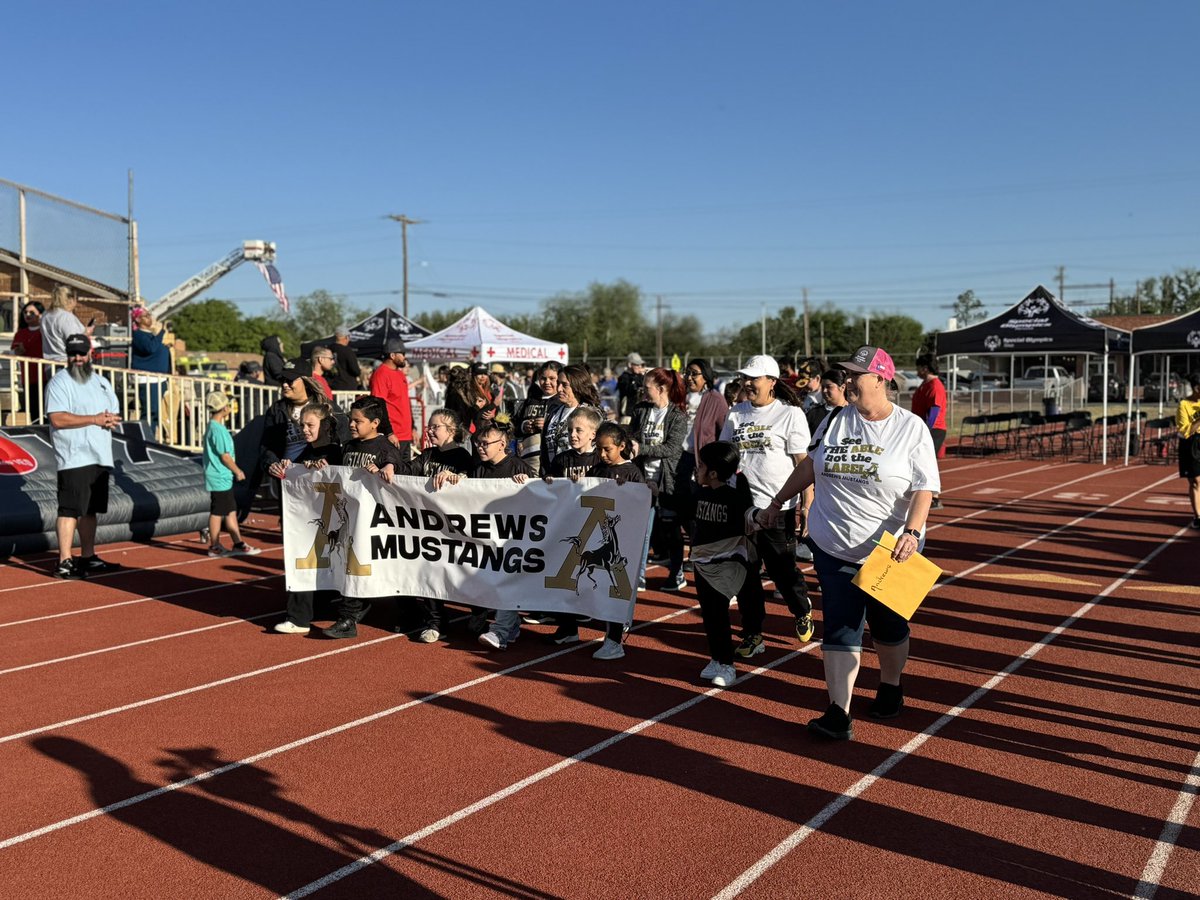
758, 366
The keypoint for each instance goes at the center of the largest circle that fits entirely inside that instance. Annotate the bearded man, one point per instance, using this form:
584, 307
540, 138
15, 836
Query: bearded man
83, 411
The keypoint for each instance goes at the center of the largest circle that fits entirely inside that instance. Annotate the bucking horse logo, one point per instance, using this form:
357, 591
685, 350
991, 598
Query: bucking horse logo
607, 556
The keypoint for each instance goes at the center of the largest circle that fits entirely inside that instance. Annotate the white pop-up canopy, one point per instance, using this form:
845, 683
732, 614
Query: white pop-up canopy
480, 336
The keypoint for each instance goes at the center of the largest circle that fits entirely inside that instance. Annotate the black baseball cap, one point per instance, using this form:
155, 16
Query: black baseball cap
78, 345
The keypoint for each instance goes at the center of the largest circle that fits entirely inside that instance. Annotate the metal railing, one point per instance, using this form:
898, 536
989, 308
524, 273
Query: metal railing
182, 414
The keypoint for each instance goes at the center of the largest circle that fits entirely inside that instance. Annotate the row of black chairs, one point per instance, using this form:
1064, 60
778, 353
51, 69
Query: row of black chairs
1069, 435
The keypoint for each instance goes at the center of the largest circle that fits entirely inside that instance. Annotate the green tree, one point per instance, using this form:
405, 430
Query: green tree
968, 309
1171, 294
606, 320
438, 319
213, 325
316, 315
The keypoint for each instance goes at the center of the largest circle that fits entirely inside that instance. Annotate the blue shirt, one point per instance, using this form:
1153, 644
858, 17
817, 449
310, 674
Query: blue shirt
90, 445
217, 440
149, 352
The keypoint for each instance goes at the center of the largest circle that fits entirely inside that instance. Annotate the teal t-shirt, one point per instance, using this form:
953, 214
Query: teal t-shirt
217, 440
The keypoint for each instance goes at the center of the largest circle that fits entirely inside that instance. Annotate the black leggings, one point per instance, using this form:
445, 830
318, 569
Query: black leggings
777, 547
714, 606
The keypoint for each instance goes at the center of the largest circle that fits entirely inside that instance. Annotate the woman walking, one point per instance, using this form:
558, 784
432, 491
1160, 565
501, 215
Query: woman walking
875, 470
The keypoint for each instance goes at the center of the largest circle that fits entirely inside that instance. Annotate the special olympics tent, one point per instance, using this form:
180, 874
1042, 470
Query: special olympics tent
1039, 324
368, 336
1180, 335
480, 336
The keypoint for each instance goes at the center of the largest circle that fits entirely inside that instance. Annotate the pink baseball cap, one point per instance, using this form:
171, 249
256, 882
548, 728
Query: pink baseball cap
872, 360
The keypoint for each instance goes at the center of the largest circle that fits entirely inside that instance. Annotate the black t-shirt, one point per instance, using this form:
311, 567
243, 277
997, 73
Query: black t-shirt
358, 454
345, 377
506, 468
331, 453
626, 471
573, 464
455, 459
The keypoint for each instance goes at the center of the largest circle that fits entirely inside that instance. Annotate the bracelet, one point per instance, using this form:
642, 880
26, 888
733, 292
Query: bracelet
915, 532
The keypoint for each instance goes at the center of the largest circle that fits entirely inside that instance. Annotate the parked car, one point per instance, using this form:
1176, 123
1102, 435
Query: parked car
1116, 387
1154, 389
987, 381
907, 381
1042, 378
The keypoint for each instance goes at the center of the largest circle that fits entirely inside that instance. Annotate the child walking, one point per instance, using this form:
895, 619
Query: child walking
610, 449
445, 453
220, 470
494, 461
319, 451
723, 560
370, 450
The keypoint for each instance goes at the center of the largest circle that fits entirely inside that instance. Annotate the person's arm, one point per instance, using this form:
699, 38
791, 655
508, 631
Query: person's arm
106, 419
802, 477
931, 417
231, 464
918, 512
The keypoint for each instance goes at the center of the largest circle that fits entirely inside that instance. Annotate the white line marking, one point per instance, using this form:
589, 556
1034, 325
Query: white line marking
151, 640
78, 612
518, 786
138, 704
797, 837
51, 581
1008, 476
301, 742
1157, 864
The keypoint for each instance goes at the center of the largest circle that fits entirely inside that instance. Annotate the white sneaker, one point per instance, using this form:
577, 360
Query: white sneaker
609, 650
491, 639
429, 635
244, 549
289, 627
726, 675
710, 671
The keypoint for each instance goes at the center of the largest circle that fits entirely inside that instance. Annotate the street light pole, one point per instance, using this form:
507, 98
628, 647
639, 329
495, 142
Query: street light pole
405, 221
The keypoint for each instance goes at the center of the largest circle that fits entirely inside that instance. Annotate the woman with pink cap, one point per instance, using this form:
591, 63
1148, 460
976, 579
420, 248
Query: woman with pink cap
875, 470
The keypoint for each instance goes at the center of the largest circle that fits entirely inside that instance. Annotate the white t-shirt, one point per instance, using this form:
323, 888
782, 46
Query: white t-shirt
865, 475
652, 435
693, 407
57, 326
87, 445
767, 437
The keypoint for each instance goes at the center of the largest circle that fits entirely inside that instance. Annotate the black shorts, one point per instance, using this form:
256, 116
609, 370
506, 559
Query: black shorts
82, 492
221, 503
939, 437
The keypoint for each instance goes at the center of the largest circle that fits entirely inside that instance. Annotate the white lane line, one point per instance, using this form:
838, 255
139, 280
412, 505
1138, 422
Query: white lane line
301, 742
1152, 875
518, 786
151, 640
51, 581
797, 837
1008, 476
216, 586
138, 704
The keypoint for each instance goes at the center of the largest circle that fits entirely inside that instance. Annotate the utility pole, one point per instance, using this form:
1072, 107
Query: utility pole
1062, 286
823, 357
867, 329
1112, 297
807, 339
764, 329
405, 221
658, 351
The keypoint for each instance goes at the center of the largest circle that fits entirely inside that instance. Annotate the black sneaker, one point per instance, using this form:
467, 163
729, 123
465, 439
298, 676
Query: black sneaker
835, 724
94, 565
562, 635
805, 627
936, 504
362, 614
888, 702
751, 645
342, 628
68, 568
1196, 522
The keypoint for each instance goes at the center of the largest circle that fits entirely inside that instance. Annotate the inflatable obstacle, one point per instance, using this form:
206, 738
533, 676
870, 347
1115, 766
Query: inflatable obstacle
154, 490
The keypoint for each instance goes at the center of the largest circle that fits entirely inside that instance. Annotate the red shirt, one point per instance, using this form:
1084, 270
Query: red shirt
391, 386
931, 393
320, 379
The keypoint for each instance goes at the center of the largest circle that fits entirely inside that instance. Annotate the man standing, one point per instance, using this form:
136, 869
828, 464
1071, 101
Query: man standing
629, 387
390, 384
83, 411
322, 360
929, 404
348, 374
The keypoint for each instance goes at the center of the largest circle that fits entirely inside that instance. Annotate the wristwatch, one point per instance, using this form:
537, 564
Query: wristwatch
915, 532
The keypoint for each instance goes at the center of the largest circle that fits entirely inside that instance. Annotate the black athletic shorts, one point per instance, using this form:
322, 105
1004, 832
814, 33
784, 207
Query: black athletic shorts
221, 503
939, 437
82, 492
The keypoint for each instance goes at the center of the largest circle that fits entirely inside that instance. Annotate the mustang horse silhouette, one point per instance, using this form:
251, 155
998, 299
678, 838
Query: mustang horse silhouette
607, 556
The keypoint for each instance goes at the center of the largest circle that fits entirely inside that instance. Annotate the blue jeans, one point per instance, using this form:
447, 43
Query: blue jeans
150, 397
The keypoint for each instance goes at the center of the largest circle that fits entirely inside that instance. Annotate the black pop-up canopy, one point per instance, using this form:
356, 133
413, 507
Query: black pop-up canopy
1181, 335
1039, 324
368, 336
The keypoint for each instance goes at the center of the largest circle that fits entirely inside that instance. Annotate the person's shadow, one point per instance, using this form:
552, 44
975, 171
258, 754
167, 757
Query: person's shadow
208, 822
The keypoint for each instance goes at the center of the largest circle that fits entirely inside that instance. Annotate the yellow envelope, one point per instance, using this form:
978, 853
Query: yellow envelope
900, 586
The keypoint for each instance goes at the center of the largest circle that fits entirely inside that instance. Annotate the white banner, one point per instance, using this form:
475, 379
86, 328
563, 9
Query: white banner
559, 547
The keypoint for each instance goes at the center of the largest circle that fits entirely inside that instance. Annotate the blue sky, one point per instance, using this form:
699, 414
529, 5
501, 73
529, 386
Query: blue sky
885, 156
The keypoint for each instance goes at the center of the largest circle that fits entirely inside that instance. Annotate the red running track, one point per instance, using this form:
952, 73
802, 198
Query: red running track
156, 739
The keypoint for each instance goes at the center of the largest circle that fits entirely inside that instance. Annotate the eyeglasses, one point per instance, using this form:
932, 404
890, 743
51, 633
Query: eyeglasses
691, 374
433, 427
489, 443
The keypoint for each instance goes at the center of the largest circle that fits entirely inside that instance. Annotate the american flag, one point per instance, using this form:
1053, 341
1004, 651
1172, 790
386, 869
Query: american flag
275, 280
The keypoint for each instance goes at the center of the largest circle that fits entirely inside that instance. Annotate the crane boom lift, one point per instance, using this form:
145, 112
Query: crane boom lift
176, 299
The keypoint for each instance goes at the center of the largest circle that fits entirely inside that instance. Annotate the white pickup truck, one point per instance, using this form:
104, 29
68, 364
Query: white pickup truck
1042, 378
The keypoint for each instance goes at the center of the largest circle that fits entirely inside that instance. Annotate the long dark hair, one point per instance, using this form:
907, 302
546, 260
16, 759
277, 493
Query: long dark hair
706, 372
580, 379
786, 394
